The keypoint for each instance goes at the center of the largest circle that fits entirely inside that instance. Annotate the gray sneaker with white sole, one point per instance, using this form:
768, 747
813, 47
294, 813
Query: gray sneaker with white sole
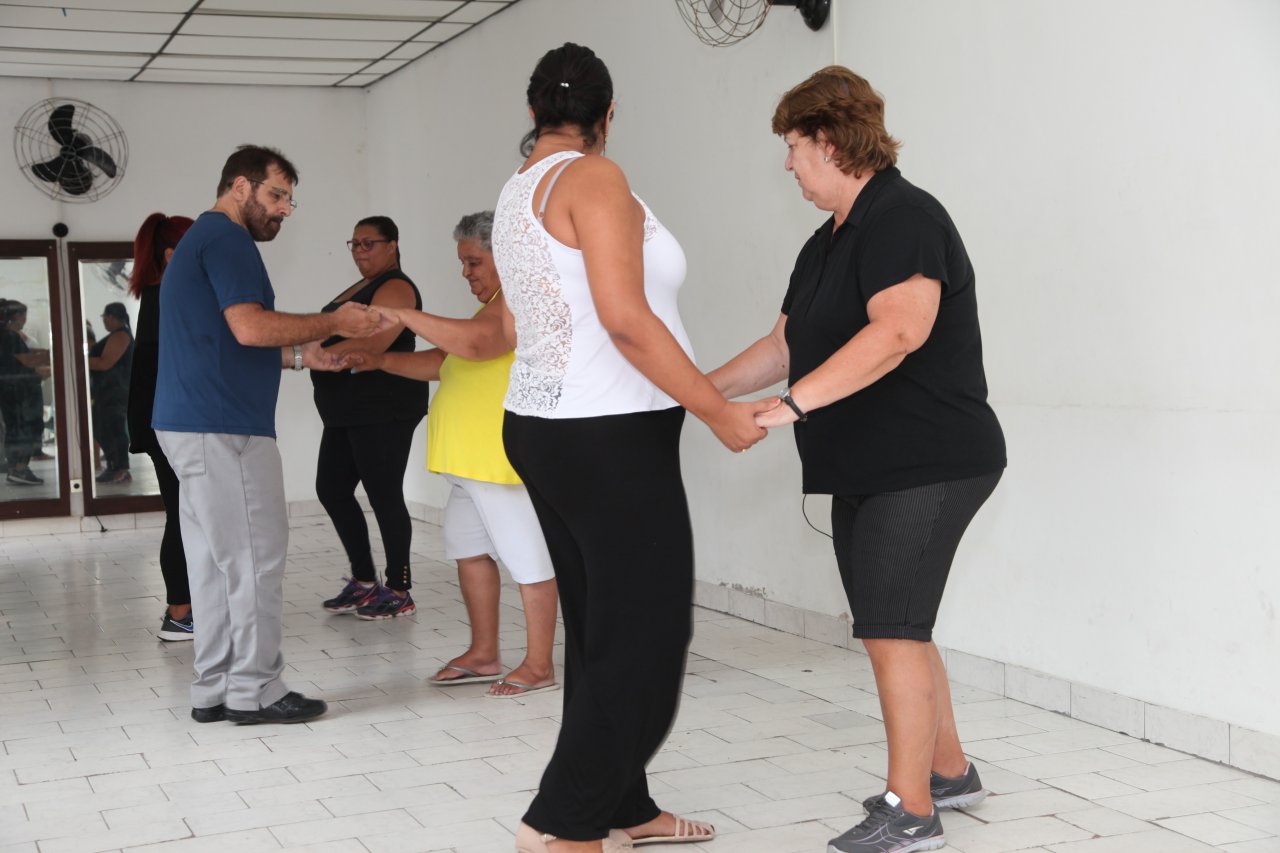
890, 829
947, 792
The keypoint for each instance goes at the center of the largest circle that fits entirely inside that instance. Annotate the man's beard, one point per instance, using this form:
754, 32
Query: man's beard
262, 227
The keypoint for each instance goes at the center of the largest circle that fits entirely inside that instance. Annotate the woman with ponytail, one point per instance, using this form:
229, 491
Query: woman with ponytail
602, 377
152, 249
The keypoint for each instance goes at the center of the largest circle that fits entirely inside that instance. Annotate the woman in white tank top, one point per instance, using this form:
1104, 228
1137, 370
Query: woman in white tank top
602, 377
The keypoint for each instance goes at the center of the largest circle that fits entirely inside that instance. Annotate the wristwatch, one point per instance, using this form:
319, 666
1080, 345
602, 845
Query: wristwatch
297, 357
785, 397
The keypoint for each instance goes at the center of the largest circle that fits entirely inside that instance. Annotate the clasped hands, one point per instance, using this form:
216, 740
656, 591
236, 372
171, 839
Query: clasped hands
356, 320
352, 320
740, 425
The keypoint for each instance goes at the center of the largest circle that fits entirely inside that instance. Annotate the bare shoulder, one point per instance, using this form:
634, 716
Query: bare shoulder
598, 172
395, 292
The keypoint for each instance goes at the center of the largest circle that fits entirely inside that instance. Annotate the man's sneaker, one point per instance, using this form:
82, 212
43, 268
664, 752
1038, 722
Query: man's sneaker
176, 630
889, 829
947, 792
23, 477
293, 708
386, 604
352, 596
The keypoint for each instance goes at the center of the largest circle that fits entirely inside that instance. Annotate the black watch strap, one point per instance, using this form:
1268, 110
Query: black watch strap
785, 397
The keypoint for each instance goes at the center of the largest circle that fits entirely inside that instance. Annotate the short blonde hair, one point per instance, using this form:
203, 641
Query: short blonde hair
840, 107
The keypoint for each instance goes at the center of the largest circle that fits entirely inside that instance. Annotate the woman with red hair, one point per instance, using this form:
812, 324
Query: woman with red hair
152, 249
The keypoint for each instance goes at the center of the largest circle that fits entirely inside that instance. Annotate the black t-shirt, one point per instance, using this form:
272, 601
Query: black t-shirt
346, 399
927, 420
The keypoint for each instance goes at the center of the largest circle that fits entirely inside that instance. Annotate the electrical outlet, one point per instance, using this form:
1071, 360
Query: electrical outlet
77, 486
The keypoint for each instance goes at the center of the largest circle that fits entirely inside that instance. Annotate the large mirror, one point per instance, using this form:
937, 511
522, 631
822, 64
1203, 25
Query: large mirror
114, 479
31, 382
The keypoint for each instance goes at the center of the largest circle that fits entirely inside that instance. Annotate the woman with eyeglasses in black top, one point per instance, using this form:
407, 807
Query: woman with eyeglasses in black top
369, 421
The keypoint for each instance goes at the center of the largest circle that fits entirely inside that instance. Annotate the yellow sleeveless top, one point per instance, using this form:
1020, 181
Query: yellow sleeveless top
464, 423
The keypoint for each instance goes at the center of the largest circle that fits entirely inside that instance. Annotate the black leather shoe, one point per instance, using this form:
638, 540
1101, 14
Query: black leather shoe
293, 708
209, 715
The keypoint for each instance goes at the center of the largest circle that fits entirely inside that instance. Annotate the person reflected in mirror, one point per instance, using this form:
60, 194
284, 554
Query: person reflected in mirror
22, 370
369, 421
110, 364
152, 248
489, 515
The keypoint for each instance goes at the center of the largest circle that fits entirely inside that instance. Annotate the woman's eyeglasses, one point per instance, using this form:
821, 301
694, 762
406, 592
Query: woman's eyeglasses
352, 245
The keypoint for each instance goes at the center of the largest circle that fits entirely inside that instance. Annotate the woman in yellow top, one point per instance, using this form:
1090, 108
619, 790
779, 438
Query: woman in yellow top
489, 515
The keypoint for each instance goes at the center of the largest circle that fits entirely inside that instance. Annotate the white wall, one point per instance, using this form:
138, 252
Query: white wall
1111, 165
1113, 168
179, 136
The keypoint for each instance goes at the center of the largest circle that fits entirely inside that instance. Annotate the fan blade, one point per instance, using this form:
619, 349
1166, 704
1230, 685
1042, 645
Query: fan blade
60, 121
51, 170
76, 178
97, 157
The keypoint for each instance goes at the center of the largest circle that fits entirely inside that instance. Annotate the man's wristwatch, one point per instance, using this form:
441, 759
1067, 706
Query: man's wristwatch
785, 397
297, 357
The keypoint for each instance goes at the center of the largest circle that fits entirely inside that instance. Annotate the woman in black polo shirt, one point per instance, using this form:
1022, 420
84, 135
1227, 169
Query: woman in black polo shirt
879, 341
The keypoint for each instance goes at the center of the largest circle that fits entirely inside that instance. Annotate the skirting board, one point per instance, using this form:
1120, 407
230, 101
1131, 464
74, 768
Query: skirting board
1253, 751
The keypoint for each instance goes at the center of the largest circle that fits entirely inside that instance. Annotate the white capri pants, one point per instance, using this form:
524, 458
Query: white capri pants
496, 519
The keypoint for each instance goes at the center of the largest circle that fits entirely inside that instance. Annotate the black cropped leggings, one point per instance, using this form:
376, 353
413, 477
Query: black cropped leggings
612, 506
173, 557
375, 455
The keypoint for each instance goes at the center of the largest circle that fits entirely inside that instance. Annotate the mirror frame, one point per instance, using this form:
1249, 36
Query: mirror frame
94, 504
61, 505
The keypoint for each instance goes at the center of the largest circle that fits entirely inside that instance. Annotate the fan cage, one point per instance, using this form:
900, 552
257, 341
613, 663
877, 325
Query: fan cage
33, 143
720, 23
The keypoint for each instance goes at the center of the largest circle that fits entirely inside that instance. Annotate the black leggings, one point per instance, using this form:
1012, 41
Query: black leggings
110, 428
173, 559
612, 506
375, 455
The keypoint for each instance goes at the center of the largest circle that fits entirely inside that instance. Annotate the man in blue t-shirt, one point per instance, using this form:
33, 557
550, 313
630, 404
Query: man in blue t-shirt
222, 346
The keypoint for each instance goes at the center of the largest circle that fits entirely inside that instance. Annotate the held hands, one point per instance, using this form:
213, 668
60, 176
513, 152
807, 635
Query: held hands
775, 414
735, 424
353, 320
361, 361
316, 357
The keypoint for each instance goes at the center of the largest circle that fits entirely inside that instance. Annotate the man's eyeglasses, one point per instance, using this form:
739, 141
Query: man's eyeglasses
276, 193
352, 245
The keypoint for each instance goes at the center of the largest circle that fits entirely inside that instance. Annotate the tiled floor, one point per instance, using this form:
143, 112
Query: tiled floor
777, 740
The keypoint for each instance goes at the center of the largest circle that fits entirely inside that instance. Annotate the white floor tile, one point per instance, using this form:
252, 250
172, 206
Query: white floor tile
778, 740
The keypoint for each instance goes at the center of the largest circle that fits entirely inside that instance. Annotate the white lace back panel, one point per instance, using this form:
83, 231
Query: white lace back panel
566, 366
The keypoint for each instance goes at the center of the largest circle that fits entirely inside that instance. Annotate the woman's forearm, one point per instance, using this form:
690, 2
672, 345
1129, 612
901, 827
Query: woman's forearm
760, 365
423, 365
476, 339
868, 356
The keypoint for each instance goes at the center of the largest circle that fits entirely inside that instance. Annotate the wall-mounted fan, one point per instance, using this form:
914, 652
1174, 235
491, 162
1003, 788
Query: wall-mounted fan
70, 150
720, 23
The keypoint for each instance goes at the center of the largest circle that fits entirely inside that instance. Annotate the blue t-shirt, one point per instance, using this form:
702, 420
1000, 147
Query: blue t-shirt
209, 381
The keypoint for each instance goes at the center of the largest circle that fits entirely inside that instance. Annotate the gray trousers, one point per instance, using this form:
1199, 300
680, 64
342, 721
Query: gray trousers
235, 529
